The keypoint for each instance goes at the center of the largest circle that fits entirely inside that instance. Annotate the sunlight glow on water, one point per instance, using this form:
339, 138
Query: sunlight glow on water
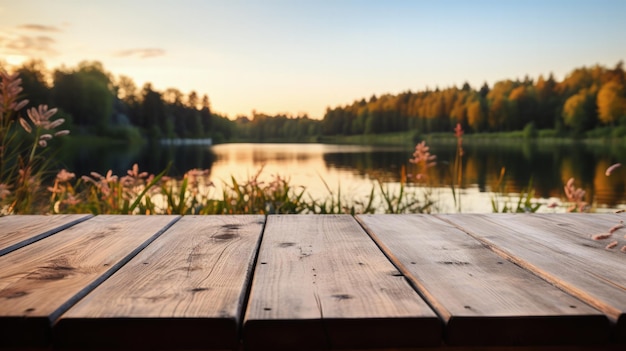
324, 169
355, 169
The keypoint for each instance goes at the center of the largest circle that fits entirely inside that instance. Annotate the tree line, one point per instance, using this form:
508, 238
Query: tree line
94, 102
587, 98
97, 103
262, 127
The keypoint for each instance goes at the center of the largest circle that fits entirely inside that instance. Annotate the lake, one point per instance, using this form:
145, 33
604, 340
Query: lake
355, 169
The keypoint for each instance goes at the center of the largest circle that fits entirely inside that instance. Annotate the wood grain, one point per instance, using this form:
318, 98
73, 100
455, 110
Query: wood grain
483, 298
19, 231
42, 280
559, 248
185, 290
320, 282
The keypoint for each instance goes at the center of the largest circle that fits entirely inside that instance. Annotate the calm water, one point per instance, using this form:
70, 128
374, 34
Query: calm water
355, 169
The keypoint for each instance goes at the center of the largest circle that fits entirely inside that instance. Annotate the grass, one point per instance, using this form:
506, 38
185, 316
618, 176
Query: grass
501, 202
386, 139
543, 136
22, 179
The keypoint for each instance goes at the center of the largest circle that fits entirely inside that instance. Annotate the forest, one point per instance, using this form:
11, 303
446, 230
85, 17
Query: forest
94, 102
587, 100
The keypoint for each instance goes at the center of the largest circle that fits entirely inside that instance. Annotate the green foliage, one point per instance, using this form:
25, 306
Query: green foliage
105, 194
127, 134
264, 128
552, 134
403, 200
85, 94
23, 148
509, 105
33, 74
530, 131
618, 132
254, 196
586, 98
598, 133
579, 111
457, 171
96, 103
525, 199
92, 100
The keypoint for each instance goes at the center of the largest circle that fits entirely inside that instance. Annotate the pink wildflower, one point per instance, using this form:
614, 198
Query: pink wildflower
103, 181
194, 175
62, 177
616, 227
612, 168
71, 200
65, 176
40, 117
4, 191
423, 159
10, 88
575, 196
134, 172
601, 236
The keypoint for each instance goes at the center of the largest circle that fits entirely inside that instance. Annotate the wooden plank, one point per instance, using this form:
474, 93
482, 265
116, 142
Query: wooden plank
19, 231
559, 249
185, 290
42, 280
484, 299
320, 282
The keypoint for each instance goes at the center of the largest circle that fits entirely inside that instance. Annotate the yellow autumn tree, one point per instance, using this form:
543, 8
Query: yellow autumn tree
579, 110
611, 102
475, 115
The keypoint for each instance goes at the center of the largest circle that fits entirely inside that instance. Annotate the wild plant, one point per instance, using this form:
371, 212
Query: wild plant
525, 201
189, 196
457, 172
609, 234
63, 195
575, 197
405, 200
254, 196
335, 203
423, 161
22, 162
105, 194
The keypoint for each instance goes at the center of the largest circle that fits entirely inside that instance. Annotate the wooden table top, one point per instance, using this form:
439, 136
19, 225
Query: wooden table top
284, 282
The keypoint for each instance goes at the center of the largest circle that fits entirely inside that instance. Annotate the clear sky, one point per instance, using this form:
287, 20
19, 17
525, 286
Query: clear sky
302, 56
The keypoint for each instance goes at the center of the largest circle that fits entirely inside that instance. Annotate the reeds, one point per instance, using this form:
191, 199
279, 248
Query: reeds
502, 202
22, 162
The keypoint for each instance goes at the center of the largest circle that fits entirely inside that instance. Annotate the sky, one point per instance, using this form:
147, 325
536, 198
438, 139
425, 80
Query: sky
303, 56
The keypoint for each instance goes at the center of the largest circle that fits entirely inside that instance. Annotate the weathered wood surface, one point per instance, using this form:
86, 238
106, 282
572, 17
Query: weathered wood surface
19, 231
157, 282
42, 280
185, 290
483, 298
321, 283
559, 249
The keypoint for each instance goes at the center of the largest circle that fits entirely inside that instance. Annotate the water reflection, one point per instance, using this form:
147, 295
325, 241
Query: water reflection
152, 158
326, 168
